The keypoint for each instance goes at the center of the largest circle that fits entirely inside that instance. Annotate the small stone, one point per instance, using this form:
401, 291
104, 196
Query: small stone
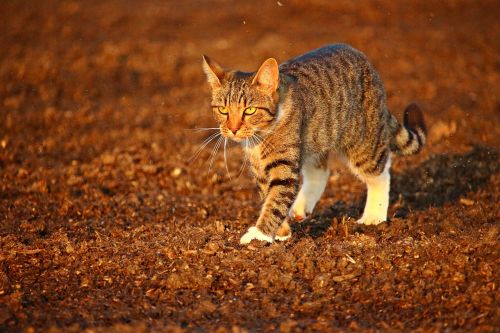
176, 172
170, 253
214, 247
219, 226
288, 326
149, 168
108, 159
85, 283
40, 186
21, 173
428, 273
458, 277
207, 307
353, 325
466, 202
69, 248
150, 293
74, 180
321, 281
344, 277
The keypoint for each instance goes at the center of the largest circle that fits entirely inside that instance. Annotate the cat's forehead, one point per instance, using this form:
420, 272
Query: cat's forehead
235, 84
235, 89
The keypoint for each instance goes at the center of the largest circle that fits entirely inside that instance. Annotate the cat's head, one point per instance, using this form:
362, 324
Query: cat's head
244, 104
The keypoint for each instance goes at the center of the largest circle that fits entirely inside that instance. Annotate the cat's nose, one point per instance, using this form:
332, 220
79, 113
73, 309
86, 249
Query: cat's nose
234, 125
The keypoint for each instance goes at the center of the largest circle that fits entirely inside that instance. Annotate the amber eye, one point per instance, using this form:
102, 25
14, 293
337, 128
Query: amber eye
250, 110
222, 110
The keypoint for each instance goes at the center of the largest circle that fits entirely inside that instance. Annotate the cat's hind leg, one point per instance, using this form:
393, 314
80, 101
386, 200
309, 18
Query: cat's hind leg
284, 232
378, 186
315, 175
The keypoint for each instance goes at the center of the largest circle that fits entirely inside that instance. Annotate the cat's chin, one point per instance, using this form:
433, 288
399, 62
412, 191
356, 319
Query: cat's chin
235, 139
238, 139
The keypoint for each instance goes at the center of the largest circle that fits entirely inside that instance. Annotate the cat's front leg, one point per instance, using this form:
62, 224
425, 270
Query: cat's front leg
281, 170
272, 223
283, 233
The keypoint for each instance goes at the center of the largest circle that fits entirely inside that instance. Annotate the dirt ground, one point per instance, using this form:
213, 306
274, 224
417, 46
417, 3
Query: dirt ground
108, 225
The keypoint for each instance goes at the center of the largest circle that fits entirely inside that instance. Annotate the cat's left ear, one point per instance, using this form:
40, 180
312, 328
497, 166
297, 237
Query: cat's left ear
267, 77
214, 72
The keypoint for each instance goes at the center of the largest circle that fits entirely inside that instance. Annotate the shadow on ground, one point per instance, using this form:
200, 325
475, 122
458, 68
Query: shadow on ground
444, 178
440, 179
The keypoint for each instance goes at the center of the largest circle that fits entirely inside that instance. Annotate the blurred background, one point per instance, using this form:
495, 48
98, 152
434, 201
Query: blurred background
142, 59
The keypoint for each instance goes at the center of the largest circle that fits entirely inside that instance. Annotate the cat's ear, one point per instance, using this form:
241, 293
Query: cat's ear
267, 77
213, 71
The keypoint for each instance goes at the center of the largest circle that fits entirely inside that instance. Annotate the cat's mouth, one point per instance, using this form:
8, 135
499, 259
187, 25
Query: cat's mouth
238, 137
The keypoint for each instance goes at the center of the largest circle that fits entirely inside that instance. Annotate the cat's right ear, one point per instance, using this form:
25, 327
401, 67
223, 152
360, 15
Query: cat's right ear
213, 71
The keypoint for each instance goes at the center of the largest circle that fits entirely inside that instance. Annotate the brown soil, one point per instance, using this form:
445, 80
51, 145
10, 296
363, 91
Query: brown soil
107, 226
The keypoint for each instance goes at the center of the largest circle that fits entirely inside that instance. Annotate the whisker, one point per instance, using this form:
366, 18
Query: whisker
265, 143
258, 139
259, 136
245, 158
203, 145
252, 142
214, 152
255, 141
225, 158
200, 129
266, 131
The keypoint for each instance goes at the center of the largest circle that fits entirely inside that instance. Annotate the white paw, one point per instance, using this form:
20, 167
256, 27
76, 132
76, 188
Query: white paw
282, 238
254, 233
371, 219
298, 210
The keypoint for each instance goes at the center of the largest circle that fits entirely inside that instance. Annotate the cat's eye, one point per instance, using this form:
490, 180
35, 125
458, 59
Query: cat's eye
250, 110
222, 110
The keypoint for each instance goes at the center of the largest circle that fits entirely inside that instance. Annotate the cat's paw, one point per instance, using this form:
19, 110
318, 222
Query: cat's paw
282, 238
297, 216
298, 210
284, 232
254, 233
371, 219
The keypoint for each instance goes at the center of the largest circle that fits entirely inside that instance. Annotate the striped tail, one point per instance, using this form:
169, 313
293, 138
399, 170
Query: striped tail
409, 138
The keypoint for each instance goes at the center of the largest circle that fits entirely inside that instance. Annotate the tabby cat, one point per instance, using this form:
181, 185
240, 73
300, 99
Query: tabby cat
292, 117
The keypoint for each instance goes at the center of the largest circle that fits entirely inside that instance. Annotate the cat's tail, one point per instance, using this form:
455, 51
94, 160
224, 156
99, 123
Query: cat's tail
409, 138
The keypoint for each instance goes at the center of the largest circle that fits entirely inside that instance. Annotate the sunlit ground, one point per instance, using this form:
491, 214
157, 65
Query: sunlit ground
107, 224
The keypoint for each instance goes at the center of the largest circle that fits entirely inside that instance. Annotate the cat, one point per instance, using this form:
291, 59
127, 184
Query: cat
293, 116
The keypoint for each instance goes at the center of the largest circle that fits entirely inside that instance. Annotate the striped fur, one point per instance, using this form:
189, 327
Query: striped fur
328, 102
409, 138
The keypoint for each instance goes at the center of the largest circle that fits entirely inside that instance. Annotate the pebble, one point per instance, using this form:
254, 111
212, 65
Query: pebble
74, 180
176, 172
466, 202
149, 169
108, 159
219, 226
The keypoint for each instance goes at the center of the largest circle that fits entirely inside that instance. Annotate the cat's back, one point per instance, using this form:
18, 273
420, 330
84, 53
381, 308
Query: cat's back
331, 57
333, 87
